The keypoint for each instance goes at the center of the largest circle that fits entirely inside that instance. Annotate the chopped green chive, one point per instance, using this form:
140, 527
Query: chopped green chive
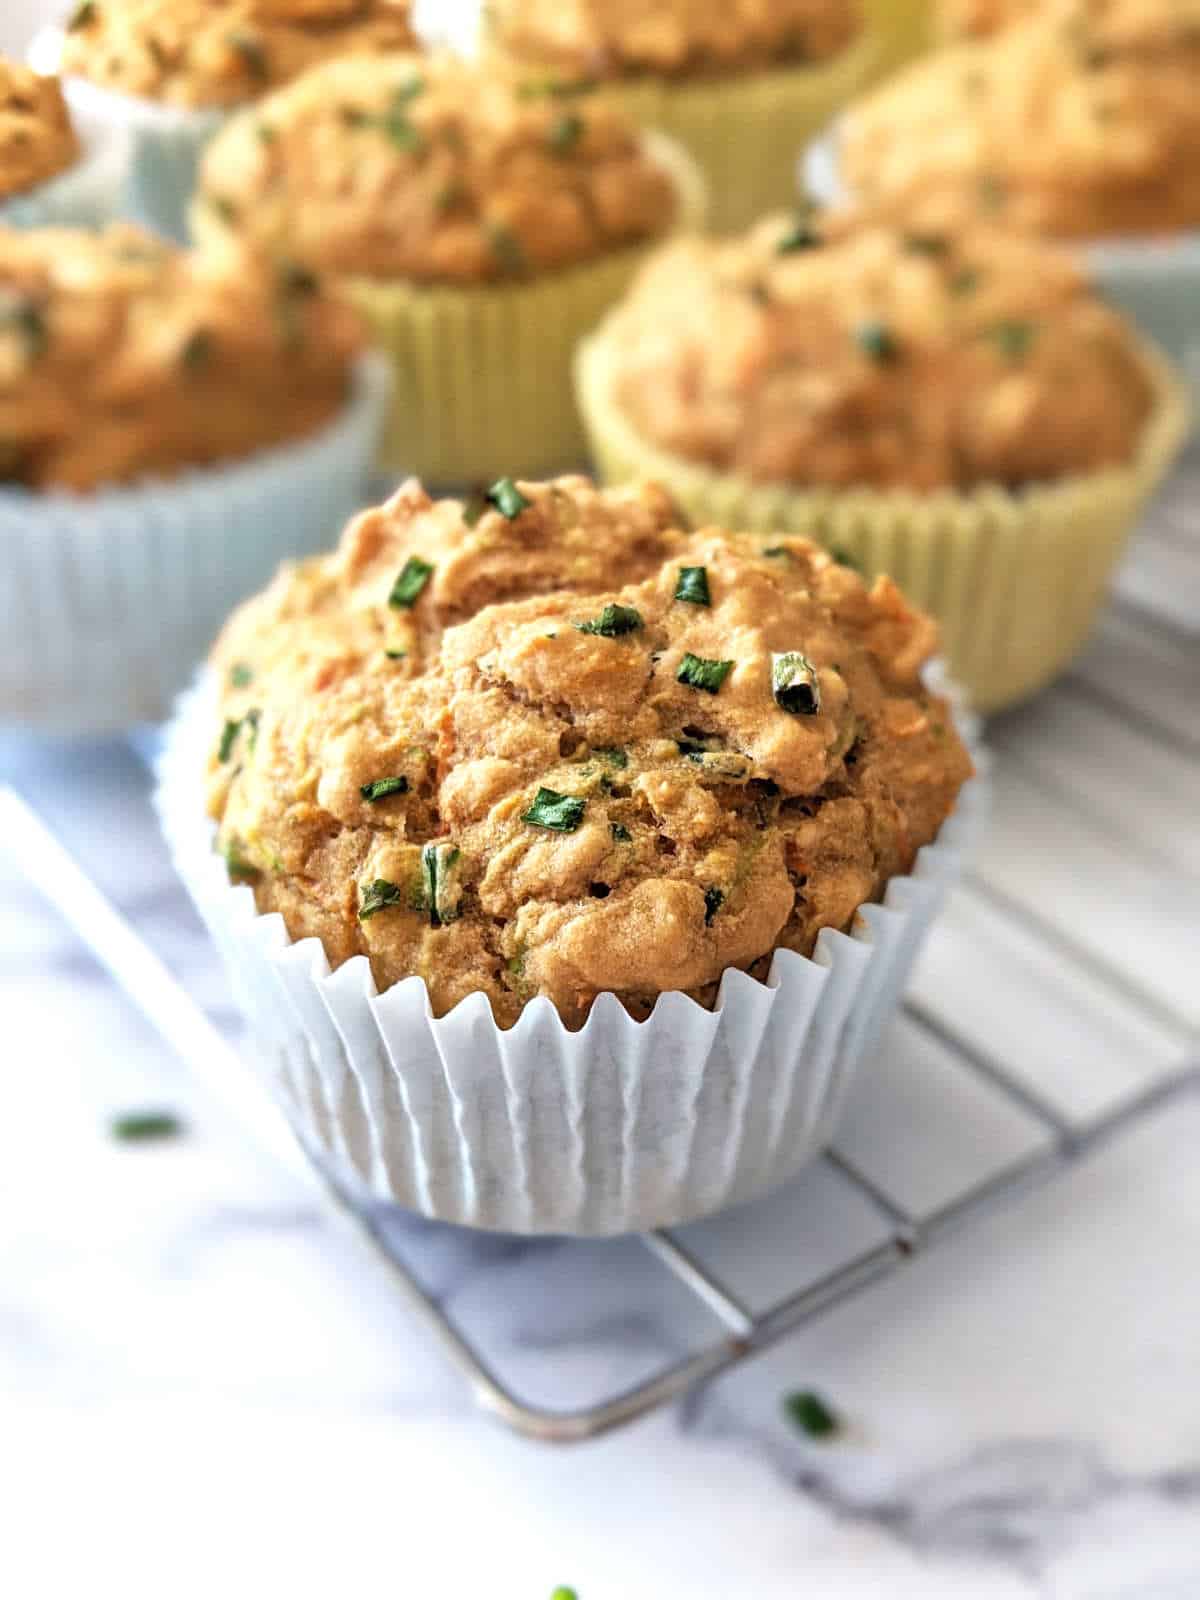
876, 341
265, 133
409, 90
382, 788
620, 832
298, 280
396, 655
809, 1412
437, 861
778, 552
800, 236
795, 683
406, 590
563, 1593
507, 498
403, 134
83, 13
561, 813
692, 586
964, 282
714, 899
613, 621
235, 861
197, 351
145, 1127
507, 250
555, 88
240, 676
224, 208
701, 674
377, 896
29, 323
1013, 339
926, 244
566, 133
843, 557
613, 755
254, 57
229, 735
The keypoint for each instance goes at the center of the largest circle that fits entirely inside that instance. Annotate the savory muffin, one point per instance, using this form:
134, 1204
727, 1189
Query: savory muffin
458, 747
37, 140
742, 85
221, 52
480, 224
434, 172
672, 38
122, 357
855, 353
1081, 122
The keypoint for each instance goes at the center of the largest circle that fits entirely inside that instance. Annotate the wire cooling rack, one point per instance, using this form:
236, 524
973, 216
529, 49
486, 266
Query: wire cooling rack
1058, 995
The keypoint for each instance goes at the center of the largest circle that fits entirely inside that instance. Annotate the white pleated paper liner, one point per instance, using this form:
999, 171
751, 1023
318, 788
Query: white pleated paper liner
164, 146
620, 1126
1154, 280
86, 196
108, 601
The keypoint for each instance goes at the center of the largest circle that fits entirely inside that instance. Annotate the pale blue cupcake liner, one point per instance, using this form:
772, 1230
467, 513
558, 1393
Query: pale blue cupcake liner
108, 601
86, 196
164, 148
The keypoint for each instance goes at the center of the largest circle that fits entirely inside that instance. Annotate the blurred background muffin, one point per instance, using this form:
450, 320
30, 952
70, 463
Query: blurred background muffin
480, 222
743, 84
955, 408
964, 19
167, 72
169, 430
47, 175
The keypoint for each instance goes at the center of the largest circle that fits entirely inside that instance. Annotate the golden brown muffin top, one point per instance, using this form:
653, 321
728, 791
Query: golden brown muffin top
457, 746
671, 38
37, 141
435, 171
123, 357
1081, 122
220, 52
854, 352
963, 19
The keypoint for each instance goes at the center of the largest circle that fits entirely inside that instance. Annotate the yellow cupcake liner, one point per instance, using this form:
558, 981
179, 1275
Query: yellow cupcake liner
1015, 578
482, 375
747, 133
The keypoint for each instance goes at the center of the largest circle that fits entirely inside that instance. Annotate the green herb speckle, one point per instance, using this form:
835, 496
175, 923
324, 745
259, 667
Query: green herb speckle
561, 813
810, 1413
795, 684
876, 341
1013, 339
714, 899
145, 1127
566, 133
406, 590
507, 498
382, 788
620, 833
701, 674
613, 621
692, 586
377, 896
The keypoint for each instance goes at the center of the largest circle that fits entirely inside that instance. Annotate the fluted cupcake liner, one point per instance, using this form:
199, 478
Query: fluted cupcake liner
1154, 280
86, 196
482, 375
163, 145
1014, 577
620, 1126
108, 600
746, 132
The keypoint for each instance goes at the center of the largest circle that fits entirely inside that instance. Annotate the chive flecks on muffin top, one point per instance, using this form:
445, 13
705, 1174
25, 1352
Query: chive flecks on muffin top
433, 170
567, 787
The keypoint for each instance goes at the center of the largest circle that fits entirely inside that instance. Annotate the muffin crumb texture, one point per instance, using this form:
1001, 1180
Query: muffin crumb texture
433, 171
123, 357
672, 38
453, 747
37, 141
857, 352
220, 52
1081, 121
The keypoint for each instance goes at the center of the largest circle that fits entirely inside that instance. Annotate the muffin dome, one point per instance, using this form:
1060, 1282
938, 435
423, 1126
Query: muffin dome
964, 19
433, 171
1083, 121
854, 353
219, 52
455, 747
37, 141
672, 38
122, 356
